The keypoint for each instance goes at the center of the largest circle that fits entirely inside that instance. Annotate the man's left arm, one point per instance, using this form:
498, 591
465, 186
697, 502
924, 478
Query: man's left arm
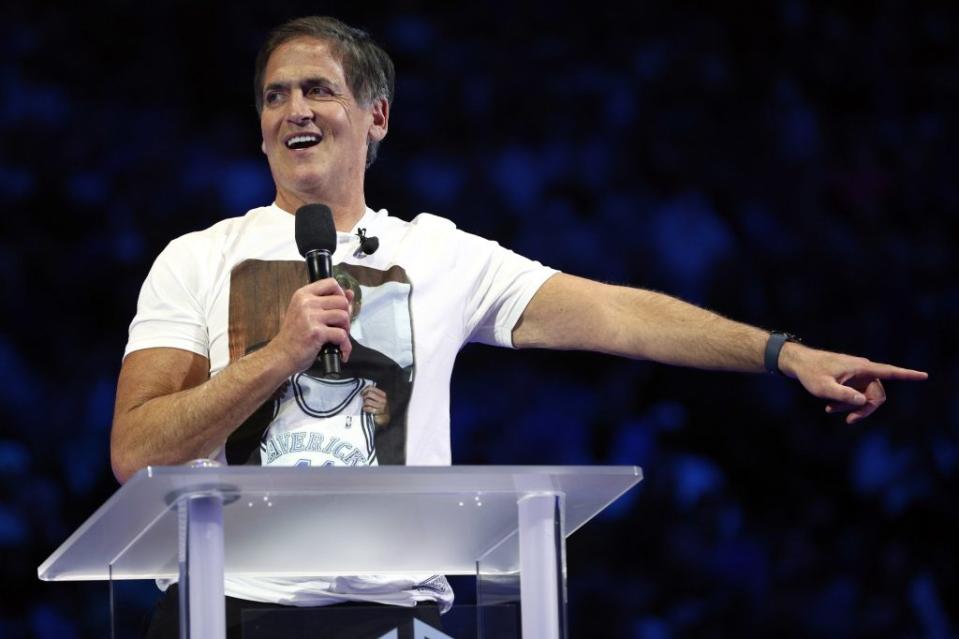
572, 313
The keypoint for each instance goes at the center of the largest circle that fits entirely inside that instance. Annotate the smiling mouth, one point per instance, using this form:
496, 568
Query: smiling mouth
303, 141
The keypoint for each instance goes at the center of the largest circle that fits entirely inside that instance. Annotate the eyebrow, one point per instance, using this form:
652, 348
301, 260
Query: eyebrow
310, 81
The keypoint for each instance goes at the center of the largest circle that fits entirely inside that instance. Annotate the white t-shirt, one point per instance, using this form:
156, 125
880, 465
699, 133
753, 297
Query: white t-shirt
427, 291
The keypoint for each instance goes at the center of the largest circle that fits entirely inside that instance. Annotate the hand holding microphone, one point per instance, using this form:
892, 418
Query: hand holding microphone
317, 322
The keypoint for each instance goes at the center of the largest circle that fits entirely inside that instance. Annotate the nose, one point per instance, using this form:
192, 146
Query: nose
300, 112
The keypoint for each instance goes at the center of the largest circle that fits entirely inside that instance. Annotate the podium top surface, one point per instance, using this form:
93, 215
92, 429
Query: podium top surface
322, 521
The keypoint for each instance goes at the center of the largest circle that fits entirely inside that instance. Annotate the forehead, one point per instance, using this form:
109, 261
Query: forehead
303, 57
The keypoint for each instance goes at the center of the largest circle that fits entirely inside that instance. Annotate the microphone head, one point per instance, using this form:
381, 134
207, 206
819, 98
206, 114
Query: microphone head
315, 230
369, 245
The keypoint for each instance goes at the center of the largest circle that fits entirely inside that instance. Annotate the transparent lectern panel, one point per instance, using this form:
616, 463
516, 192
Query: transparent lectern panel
131, 607
497, 604
497, 573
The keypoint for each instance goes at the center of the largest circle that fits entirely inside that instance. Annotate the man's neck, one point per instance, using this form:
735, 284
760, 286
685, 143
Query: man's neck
345, 214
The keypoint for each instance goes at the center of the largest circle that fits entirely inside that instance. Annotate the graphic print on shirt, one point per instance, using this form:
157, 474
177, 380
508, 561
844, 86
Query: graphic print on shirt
358, 419
321, 422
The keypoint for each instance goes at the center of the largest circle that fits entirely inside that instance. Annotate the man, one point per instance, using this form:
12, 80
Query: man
323, 93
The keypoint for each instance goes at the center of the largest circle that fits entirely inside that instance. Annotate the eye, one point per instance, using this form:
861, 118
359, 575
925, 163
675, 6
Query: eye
272, 98
319, 91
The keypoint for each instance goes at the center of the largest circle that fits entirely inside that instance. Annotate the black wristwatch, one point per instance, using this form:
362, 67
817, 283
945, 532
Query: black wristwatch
773, 347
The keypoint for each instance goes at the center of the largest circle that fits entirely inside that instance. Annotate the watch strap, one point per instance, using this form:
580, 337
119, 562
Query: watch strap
774, 346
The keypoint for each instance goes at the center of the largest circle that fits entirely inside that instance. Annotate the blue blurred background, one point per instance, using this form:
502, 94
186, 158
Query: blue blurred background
790, 164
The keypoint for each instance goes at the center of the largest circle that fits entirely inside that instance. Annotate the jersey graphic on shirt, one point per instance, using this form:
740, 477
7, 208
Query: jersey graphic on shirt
321, 422
359, 419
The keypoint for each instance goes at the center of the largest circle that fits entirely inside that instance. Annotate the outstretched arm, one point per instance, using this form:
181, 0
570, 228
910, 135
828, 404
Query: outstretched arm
573, 313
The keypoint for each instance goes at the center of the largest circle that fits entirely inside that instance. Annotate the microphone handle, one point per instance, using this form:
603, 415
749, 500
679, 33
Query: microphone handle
320, 265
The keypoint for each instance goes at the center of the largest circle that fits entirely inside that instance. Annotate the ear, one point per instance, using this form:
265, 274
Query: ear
263, 146
380, 110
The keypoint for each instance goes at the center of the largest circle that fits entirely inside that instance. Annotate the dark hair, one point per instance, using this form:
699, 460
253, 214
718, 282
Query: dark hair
368, 68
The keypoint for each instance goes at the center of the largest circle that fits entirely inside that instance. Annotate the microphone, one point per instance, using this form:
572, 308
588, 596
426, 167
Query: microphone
316, 241
368, 245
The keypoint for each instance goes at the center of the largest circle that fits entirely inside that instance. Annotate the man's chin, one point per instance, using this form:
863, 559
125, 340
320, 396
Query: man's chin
309, 187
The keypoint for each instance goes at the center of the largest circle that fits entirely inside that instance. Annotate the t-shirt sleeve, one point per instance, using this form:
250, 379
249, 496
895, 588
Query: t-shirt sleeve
169, 310
506, 283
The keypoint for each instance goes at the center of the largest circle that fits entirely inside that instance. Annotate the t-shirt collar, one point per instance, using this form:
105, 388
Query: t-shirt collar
369, 217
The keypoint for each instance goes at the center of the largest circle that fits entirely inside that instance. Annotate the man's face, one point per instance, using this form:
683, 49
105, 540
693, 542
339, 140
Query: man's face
315, 134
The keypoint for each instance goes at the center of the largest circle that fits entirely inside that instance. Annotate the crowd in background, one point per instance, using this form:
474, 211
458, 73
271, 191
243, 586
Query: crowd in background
791, 165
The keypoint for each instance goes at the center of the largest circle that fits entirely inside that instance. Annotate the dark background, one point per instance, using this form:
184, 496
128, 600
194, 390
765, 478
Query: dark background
790, 164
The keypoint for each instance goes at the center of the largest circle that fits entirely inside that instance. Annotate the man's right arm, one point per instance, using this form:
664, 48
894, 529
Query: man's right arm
169, 411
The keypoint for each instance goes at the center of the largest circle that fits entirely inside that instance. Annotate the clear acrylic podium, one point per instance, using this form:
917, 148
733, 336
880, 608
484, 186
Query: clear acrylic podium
506, 525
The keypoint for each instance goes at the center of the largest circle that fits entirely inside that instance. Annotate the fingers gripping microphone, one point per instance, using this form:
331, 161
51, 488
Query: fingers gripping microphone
316, 241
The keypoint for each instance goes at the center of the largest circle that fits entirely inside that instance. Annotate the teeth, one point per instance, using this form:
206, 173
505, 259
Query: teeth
301, 139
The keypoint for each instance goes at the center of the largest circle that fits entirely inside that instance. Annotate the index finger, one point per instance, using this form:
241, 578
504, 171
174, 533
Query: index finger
327, 286
887, 371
